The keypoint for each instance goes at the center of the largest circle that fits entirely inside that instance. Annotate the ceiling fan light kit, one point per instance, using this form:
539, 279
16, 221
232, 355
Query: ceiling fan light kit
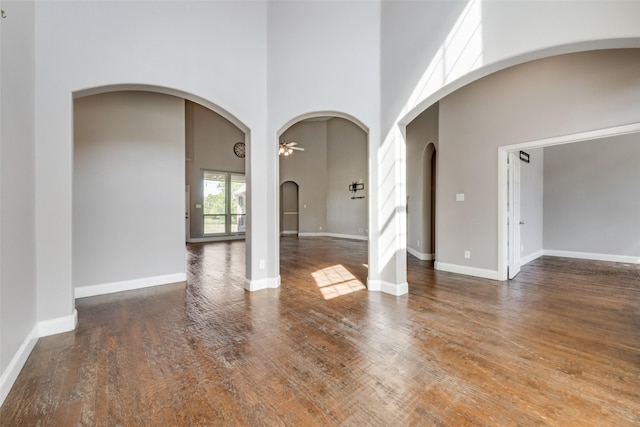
286, 148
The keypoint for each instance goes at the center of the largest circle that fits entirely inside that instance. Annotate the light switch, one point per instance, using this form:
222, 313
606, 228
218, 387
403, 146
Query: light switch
198, 206
460, 197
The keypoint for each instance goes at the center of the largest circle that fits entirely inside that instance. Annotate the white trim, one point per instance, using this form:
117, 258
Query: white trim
58, 325
576, 137
469, 271
288, 232
336, 235
421, 256
258, 285
127, 285
593, 256
388, 287
215, 239
531, 257
10, 374
374, 285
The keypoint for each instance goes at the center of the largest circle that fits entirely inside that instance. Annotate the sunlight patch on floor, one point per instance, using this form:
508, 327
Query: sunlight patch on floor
336, 281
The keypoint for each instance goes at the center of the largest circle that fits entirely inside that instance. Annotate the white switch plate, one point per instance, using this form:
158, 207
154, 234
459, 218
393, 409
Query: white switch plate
460, 197
261, 264
467, 254
198, 206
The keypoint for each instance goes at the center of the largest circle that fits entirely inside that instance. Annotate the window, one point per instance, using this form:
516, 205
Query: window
224, 203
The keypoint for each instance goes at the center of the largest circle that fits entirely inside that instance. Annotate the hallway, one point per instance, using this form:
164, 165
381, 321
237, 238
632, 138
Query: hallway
558, 345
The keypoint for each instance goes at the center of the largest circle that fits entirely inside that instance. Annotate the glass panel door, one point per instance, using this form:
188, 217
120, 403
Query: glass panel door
215, 202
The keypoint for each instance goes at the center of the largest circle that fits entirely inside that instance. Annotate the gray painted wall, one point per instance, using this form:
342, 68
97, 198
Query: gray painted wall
309, 170
335, 155
209, 144
17, 180
531, 202
128, 187
421, 132
346, 163
540, 99
592, 196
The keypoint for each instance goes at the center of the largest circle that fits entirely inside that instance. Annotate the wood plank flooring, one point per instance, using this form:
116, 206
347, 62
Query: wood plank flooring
558, 345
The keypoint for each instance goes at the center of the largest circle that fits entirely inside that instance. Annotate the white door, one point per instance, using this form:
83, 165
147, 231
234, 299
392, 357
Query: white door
513, 213
187, 209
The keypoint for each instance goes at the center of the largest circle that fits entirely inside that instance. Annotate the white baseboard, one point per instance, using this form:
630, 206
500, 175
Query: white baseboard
41, 329
10, 374
421, 256
127, 285
374, 285
387, 287
257, 285
336, 235
58, 325
593, 256
289, 233
215, 239
469, 271
531, 257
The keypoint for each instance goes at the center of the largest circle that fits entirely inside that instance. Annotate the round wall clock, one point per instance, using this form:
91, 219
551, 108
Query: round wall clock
239, 149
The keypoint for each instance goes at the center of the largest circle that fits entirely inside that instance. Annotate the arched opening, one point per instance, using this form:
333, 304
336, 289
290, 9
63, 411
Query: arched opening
141, 154
328, 162
289, 209
421, 143
478, 120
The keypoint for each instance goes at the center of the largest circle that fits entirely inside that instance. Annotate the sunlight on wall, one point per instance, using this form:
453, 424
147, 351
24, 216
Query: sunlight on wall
335, 281
392, 230
460, 54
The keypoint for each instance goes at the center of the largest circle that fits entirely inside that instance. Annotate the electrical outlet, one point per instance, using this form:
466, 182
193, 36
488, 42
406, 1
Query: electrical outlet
418, 243
320, 227
521, 248
467, 254
261, 264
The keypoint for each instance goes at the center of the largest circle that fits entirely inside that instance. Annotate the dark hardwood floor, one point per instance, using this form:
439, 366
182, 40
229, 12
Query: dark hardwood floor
558, 345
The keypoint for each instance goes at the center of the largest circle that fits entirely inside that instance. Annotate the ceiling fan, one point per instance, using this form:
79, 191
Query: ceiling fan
286, 148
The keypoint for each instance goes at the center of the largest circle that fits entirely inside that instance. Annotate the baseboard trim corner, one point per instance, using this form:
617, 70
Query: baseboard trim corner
257, 285
128, 285
531, 257
58, 325
420, 255
388, 287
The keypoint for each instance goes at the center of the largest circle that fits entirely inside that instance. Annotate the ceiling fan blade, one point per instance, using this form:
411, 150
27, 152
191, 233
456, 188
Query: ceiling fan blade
292, 143
297, 148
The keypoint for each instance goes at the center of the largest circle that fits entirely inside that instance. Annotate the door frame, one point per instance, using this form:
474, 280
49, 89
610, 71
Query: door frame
503, 152
513, 214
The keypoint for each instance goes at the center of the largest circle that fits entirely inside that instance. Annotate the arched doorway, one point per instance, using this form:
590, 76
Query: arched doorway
328, 170
131, 164
289, 208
